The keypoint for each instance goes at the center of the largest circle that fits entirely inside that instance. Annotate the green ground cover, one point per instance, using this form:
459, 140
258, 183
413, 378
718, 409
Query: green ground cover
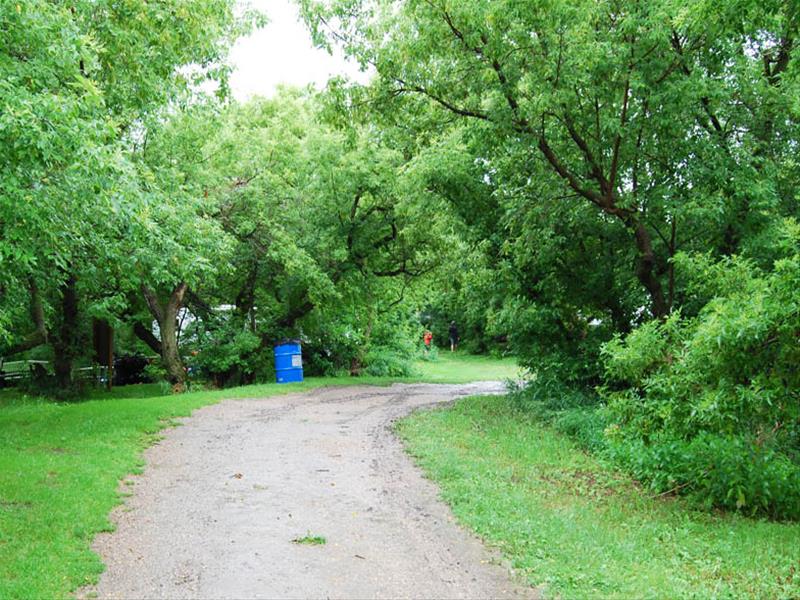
60, 465
578, 528
463, 368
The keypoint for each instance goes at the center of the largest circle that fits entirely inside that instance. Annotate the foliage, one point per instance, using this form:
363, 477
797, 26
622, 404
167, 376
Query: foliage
585, 425
539, 127
627, 174
606, 189
226, 353
321, 234
725, 471
393, 347
541, 501
710, 402
428, 354
83, 225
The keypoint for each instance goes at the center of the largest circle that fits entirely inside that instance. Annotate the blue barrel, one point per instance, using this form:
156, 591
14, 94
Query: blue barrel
288, 361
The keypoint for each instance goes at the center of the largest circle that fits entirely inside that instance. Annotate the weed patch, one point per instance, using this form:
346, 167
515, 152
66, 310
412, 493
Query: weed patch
310, 540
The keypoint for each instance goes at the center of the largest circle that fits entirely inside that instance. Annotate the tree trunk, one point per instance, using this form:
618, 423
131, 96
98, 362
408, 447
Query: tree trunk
167, 317
169, 343
66, 344
246, 298
646, 271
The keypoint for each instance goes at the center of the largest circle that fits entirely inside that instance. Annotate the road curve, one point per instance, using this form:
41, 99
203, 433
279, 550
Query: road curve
224, 495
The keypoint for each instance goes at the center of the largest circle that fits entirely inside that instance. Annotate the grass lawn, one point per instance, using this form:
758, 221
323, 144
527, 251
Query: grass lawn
463, 368
60, 465
579, 529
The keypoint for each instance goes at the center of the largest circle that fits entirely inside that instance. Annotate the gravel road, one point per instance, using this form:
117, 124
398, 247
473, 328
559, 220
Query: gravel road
224, 495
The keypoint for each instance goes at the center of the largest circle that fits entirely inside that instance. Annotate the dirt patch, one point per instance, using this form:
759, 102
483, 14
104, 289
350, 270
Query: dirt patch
224, 499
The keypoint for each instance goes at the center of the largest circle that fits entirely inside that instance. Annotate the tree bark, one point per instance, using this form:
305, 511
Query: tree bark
646, 271
66, 344
147, 336
246, 298
167, 317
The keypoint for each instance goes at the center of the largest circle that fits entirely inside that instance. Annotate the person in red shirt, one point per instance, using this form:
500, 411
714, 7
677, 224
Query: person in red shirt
427, 338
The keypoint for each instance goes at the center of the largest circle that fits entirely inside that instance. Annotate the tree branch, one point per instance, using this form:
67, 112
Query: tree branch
153, 303
464, 112
147, 336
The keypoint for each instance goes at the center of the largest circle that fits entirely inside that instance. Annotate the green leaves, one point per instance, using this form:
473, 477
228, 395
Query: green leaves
76, 83
722, 386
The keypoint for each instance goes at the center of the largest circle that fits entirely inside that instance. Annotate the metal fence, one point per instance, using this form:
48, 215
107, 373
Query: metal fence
19, 371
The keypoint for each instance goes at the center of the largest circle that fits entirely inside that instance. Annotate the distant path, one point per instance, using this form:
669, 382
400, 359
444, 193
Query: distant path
223, 496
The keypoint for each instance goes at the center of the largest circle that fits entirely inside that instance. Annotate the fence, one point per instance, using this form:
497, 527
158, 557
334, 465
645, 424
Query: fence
19, 371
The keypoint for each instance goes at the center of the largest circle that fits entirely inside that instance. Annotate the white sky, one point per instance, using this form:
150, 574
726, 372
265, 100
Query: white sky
282, 53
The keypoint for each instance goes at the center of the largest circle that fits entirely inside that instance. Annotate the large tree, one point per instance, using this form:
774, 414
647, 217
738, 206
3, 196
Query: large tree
585, 144
324, 233
78, 79
643, 111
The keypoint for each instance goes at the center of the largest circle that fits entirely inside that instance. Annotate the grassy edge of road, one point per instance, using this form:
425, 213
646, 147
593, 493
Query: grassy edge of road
61, 464
577, 528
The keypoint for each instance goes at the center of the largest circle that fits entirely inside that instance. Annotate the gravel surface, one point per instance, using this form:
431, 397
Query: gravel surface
224, 495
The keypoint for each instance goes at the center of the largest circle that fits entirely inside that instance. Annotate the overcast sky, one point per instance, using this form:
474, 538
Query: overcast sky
282, 52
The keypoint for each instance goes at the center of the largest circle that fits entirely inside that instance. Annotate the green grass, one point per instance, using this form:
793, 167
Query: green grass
579, 529
462, 368
310, 540
60, 467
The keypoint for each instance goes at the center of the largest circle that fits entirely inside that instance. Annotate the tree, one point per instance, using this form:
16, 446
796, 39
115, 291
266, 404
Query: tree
77, 82
324, 234
611, 136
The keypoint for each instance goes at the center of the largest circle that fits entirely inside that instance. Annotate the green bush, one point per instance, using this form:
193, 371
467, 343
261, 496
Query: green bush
330, 353
546, 393
429, 355
710, 404
585, 425
728, 472
385, 362
155, 372
730, 369
229, 355
393, 346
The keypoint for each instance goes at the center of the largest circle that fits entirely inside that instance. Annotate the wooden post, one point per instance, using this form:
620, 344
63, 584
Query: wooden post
103, 335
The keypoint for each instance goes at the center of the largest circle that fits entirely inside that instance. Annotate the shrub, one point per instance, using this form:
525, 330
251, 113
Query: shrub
429, 355
330, 354
728, 472
546, 393
710, 404
155, 371
385, 362
585, 425
228, 356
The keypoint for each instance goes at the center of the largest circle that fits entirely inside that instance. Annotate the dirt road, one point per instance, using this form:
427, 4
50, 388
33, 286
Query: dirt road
223, 496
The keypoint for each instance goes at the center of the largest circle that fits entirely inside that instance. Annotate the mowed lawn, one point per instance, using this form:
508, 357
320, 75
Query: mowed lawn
463, 368
577, 528
60, 467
